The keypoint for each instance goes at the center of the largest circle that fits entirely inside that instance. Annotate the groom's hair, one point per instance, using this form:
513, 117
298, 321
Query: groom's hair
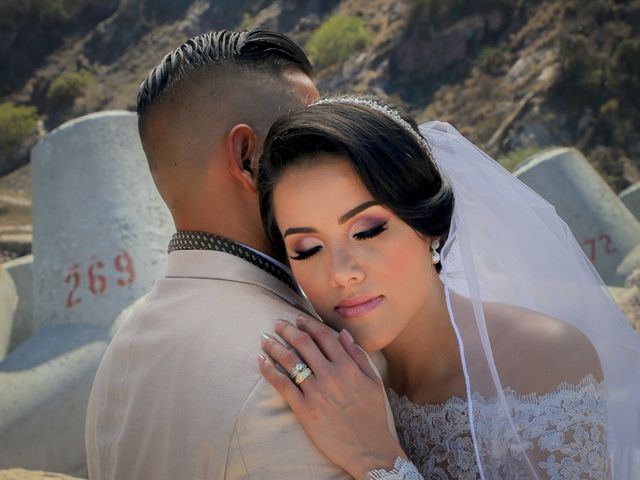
260, 50
210, 83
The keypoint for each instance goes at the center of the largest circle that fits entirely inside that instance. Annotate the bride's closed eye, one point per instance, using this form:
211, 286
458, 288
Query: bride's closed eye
304, 254
371, 232
363, 235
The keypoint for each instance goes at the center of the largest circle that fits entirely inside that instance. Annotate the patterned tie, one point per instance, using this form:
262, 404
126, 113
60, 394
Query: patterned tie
208, 241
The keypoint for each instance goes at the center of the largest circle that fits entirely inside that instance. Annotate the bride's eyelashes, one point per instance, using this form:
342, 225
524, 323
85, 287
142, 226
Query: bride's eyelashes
304, 254
372, 232
364, 235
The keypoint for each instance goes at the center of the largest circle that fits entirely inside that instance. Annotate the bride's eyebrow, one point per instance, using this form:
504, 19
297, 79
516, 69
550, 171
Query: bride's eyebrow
356, 210
293, 230
351, 213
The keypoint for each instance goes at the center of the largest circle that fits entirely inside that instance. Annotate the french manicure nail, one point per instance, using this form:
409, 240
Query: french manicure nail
346, 333
261, 358
266, 336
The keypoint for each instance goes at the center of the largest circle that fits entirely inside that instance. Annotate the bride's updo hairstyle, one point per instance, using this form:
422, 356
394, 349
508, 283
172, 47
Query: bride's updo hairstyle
382, 144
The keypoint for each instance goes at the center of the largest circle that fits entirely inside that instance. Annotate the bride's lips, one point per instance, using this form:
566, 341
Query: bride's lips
357, 306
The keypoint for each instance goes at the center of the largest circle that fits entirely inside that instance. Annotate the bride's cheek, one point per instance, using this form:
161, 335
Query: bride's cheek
406, 254
309, 284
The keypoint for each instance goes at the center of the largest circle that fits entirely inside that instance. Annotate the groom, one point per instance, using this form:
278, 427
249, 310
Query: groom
178, 393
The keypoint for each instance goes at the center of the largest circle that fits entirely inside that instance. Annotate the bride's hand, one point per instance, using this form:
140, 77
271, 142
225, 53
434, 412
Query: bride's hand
341, 404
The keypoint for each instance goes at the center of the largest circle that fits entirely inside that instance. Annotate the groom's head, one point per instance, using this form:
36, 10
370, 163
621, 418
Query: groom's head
203, 113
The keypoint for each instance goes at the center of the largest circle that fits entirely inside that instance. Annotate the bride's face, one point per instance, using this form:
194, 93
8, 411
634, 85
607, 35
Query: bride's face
361, 266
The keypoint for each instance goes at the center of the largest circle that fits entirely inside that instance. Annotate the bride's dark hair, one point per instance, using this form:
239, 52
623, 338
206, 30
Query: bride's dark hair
393, 165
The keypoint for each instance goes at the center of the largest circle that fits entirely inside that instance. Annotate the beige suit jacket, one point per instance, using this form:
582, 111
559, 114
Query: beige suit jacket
178, 394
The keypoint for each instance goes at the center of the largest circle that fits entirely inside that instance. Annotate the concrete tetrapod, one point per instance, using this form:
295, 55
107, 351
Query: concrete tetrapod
46, 383
21, 271
100, 227
630, 196
603, 226
100, 234
8, 304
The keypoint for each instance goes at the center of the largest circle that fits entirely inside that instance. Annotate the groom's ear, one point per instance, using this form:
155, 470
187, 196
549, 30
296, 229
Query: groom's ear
243, 153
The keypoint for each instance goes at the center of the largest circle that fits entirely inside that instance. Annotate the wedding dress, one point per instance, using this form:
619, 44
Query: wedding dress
508, 247
551, 365
566, 428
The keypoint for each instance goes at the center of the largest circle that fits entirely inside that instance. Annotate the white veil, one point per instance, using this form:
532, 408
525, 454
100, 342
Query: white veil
510, 264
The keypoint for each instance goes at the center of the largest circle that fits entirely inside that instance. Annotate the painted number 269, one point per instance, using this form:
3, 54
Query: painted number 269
97, 280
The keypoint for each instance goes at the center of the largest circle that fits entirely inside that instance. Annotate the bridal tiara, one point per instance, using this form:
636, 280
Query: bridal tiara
379, 108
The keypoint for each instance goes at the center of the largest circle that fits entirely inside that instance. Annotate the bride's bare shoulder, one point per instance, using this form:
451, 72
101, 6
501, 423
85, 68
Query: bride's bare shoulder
535, 349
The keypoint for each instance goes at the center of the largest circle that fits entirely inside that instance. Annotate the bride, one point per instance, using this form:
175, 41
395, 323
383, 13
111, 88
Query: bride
505, 355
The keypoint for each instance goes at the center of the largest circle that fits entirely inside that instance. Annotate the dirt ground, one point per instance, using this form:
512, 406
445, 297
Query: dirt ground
15, 214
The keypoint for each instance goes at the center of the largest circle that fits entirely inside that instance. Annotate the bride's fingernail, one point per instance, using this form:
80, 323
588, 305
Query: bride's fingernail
346, 333
266, 337
261, 358
300, 320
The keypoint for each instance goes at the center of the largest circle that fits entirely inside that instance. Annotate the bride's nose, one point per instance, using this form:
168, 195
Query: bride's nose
345, 269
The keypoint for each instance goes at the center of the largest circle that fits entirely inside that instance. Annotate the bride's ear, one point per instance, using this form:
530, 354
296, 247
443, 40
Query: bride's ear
243, 154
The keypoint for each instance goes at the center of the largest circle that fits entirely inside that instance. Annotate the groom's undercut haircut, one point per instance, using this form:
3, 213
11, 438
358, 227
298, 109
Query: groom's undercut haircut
214, 81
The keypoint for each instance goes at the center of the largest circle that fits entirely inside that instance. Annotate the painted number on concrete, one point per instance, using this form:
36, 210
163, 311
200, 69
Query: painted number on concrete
124, 264
73, 279
600, 244
96, 278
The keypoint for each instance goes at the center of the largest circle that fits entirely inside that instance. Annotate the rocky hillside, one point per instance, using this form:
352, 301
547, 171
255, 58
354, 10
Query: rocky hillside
514, 76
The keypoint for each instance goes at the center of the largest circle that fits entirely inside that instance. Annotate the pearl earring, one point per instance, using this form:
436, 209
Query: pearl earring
435, 256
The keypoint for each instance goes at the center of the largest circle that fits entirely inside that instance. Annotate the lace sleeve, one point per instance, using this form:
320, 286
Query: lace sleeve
564, 433
402, 470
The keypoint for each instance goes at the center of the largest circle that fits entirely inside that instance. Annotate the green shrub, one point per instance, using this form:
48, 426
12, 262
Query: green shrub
337, 39
247, 21
16, 122
430, 13
492, 60
19, 13
582, 76
427, 16
39, 15
69, 85
610, 108
512, 159
627, 57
